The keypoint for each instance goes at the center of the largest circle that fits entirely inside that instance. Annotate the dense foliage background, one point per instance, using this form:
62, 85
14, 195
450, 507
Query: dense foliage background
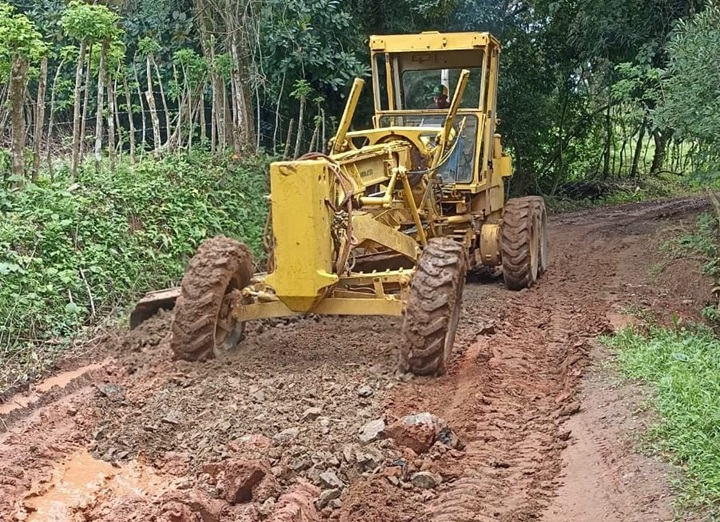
589, 90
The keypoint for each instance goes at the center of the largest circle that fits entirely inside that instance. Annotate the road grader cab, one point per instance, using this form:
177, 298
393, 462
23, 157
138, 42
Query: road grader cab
388, 222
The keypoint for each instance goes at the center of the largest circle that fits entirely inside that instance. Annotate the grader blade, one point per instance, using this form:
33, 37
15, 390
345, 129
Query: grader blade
151, 303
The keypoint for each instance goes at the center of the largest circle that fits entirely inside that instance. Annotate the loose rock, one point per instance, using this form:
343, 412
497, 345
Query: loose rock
330, 480
297, 505
372, 431
286, 436
326, 496
243, 479
311, 414
369, 460
417, 432
425, 480
365, 391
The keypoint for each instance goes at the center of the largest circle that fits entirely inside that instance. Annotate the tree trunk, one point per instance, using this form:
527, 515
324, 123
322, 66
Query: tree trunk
162, 98
298, 138
661, 139
40, 117
120, 147
76, 110
16, 97
206, 42
239, 136
258, 134
277, 114
608, 144
131, 123
324, 138
638, 149
86, 104
288, 139
201, 116
100, 104
227, 114
51, 117
218, 108
315, 135
174, 137
244, 131
111, 121
143, 136
191, 112
153, 108
3, 112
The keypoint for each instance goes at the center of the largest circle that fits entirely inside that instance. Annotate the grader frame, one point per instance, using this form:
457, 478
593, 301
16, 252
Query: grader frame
387, 223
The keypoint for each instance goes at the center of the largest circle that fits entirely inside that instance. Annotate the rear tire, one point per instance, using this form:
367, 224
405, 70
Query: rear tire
521, 244
203, 326
433, 309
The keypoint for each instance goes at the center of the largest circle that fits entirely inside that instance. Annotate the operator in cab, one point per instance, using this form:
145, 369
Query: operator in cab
440, 98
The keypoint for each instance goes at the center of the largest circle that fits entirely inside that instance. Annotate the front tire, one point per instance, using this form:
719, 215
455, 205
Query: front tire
203, 326
433, 309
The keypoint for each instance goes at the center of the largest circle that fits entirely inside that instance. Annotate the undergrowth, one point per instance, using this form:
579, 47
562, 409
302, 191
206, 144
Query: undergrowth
592, 194
73, 253
702, 243
682, 365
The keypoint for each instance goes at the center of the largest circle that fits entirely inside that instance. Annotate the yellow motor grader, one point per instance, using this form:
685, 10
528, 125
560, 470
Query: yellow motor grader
387, 223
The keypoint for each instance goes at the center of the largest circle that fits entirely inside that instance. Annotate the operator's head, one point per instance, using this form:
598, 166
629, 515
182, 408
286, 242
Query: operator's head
440, 97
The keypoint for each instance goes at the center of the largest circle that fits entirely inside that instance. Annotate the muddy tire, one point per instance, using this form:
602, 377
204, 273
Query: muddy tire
433, 309
521, 243
202, 327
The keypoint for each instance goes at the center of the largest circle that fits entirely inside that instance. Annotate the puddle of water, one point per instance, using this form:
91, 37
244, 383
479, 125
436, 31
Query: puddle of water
18, 401
62, 379
80, 481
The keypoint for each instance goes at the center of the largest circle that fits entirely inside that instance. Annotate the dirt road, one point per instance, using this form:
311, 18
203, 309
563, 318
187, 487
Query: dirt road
271, 431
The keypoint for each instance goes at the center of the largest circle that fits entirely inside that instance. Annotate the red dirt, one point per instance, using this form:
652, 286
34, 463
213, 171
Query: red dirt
545, 430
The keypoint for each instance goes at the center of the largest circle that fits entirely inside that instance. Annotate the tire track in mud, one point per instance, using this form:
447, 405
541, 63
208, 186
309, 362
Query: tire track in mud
510, 393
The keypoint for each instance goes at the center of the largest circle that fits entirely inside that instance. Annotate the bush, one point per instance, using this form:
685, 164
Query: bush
682, 366
72, 253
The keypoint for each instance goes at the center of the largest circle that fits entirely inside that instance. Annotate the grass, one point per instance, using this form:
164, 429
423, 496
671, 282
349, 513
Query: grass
702, 243
682, 366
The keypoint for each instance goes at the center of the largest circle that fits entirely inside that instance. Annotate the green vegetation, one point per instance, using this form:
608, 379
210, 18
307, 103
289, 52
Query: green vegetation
589, 91
682, 366
702, 243
71, 253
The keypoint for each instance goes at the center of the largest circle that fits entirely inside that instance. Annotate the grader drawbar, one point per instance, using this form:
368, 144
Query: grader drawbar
387, 223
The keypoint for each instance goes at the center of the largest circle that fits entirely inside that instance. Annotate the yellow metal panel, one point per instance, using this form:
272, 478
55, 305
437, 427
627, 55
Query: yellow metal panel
302, 222
366, 228
490, 244
503, 166
496, 197
429, 41
389, 305
251, 312
345, 306
346, 119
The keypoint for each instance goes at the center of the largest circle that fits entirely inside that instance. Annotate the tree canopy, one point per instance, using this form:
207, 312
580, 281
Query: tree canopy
588, 90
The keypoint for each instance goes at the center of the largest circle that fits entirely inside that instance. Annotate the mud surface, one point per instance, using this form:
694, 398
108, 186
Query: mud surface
296, 424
